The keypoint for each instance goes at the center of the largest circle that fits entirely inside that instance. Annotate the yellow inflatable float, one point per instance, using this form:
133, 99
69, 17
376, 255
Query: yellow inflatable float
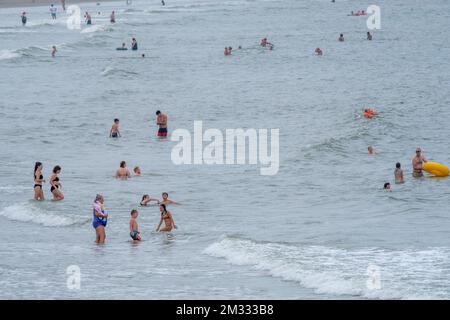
436, 169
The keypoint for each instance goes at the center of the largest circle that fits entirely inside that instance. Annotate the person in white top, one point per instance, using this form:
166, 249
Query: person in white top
53, 11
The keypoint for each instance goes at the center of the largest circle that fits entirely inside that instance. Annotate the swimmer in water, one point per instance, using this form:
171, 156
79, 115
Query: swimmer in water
387, 186
318, 51
166, 200
88, 18
38, 181
163, 3
134, 45
53, 11
230, 49
143, 55
398, 173
56, 185
112, 17
226, 52
24, 18
54, 51
63, 4
134, 230
99, 219
263, 42
137, 171
166, 216
369, 36
161, 121
371, 150
123, 173
114, 132
417, 163
341, 37
146, 199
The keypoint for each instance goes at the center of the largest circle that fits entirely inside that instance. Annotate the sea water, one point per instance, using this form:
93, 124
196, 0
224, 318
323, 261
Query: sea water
322, 227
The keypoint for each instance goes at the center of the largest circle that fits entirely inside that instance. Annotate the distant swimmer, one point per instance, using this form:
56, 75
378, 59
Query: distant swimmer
55, 188
417, 163
24, 18
341, 37
264, 43
134, 44
230, 49
163, 3
53, 11
369, 113
88, 18
134, 230
166, 216
398, 173
387, 186
137, 171
38, 181
369, 36
146, 199
143, 55
371, 150
114, 132
161, 121
112, 18
123, 47
166, 200
99, 219
226, 51
54, 51
318, 51
123, 173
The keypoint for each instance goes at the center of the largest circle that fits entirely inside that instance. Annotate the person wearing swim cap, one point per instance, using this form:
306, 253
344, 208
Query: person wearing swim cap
24, 18
100, 219
123, 173
166, 216
417, 163
161, 121
134, 230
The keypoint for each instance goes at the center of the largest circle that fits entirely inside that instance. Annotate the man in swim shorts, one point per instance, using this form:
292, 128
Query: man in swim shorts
161, 121
134, 232
417, 163
115, 133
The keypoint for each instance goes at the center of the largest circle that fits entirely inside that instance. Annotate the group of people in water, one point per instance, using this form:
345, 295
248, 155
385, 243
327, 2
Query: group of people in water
55, 184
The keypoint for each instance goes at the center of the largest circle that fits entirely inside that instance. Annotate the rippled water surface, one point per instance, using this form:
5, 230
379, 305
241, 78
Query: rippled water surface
314, 230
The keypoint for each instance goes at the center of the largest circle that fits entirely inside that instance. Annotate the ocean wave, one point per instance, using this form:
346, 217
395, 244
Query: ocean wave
111, 71
402, 274
8, 54
32, 214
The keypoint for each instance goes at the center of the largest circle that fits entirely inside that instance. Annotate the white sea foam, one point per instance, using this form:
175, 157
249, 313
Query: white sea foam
403, 274
8, 54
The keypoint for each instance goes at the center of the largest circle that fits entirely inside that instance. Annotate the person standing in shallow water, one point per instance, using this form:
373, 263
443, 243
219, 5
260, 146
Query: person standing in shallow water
38, 181
166, 216
113, 17
417, 163
134, 44
398, 173
123, 173
56, 185
99, 219
24, 18
161, 121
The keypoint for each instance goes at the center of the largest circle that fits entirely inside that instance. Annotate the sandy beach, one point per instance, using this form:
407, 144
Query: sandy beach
32, 3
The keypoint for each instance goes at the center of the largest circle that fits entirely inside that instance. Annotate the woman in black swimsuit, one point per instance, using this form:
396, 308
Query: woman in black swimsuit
38, 181
55, 185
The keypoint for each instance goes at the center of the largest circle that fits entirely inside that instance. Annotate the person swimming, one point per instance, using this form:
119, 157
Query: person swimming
371, 150
123, 47
387, 186
369, 36
417, 163
398, 173
54, 51
56, 185
134, 230
123, 173
114, 132
226, 52
38, 181
166, 216
318, 51
134, 44
99, 219
341, 37
137, 171
166, 200
24, 18
146, 199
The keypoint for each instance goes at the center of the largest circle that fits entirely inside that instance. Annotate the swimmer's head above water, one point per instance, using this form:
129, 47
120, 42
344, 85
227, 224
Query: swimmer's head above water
123, 164
387, 186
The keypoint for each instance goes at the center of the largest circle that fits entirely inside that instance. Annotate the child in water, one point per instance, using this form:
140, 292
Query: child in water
137, 171
134, 231
115, 133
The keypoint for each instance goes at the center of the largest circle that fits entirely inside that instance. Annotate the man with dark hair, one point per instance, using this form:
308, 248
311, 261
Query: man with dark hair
161, 121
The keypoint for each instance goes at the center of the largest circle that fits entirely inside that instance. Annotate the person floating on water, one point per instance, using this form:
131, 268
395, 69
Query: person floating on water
369, 36
146, 199
264, 43
123, 173
114, 132
137, 171
318, 51
161, 121
53, 10
99, 219
134, 230
54, 51
417, 163
134, 44
398, 173
112, 18
166, 200
341, 37
56, 185
38, 181
88, 18
24, 18
166, 216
